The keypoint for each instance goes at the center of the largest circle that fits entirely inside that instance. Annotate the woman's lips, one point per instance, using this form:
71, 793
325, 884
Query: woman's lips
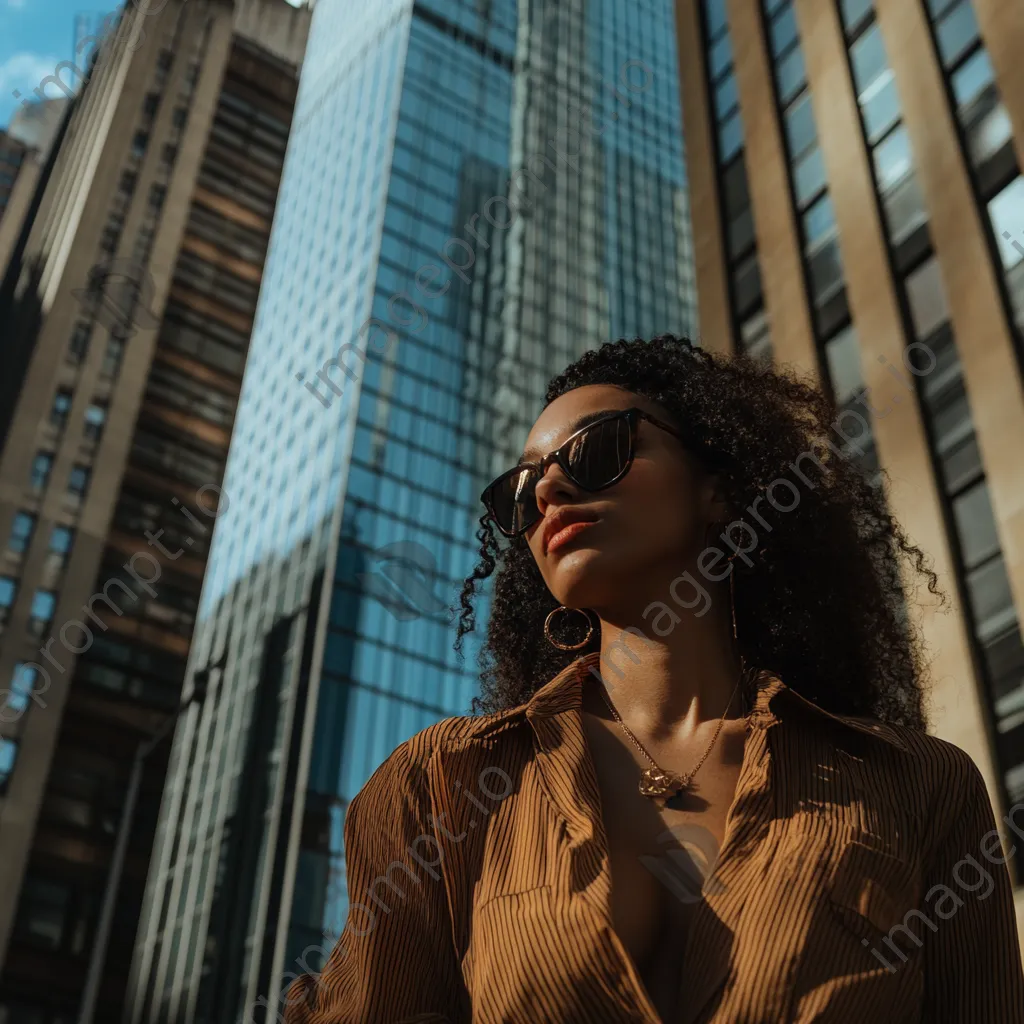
566, 534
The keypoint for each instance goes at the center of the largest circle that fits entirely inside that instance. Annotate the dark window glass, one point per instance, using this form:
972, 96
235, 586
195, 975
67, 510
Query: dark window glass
825, 270
741, 232
819, 220
8, 588
78, 481
735, 192
79, 343
800, 130
40, 473
726, 97
809, 176
60, 539
747, 286
893, 159
972, 77
882, 109
790, 74
867, 58
43, 910
95, 417
41, 612
112, 357
956, 32
21, 532
730, 137
8, 755
991, 598
976, 525
720, 56
714, 12
854, 11
782, 30
59, 409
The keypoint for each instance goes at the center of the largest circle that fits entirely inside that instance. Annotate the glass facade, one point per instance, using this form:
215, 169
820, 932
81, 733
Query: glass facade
474, 194
932, 352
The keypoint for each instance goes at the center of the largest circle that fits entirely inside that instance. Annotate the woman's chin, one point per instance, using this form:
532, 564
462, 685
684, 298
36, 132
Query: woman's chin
581, 578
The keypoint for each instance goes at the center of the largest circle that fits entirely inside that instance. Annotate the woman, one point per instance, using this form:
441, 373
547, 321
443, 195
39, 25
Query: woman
702, 790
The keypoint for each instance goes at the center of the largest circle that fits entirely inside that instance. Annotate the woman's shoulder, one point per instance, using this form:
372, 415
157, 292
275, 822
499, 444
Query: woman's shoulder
479, 734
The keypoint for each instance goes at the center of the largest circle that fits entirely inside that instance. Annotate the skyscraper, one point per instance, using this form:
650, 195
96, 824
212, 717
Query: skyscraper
126, 318
856, 179
476, 191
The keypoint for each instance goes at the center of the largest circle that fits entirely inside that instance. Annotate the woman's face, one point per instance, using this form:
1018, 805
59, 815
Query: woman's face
648, 527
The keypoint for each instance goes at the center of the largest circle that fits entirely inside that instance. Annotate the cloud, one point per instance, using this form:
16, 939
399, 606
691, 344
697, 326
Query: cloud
16, 4
24, 71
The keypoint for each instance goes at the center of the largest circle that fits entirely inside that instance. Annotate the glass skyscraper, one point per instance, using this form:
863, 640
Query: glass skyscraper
475, 192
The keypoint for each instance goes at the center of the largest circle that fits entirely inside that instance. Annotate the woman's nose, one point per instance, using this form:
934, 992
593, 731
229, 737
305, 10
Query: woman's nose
554, 486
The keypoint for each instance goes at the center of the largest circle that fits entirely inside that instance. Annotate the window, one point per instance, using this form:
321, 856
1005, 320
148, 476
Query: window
157, 194
112, 357
180, 117
927, 298
8, 755
149, 105
956, 32
21, 531
78, 481
61, 540
800, 130
139, 143
8, 588
95, 417
127, 184
976, 525
23, 681
809, 176
1006, 212
79, 343
843, 355
893, 159
59, 409
44, 911
41, 614
41, 466
169, 153
819, 220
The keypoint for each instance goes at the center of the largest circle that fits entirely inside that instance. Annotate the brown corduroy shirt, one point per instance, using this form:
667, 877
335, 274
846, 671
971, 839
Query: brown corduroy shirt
860, 880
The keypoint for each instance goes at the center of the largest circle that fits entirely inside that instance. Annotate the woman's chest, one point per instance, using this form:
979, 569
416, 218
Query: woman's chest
798, 915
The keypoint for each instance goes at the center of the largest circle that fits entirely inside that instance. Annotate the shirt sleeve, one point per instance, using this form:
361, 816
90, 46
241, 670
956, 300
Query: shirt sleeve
972, 959
395, 961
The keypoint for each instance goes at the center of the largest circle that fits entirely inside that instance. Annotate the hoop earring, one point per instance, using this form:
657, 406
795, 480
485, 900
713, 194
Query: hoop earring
558, 643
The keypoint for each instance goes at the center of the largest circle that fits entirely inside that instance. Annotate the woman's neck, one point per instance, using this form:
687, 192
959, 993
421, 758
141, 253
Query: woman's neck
668, 686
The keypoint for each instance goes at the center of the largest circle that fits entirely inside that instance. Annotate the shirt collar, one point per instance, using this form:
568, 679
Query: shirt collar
773, 703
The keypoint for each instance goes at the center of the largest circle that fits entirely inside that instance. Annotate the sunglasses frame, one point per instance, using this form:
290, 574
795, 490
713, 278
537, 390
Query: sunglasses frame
633, 416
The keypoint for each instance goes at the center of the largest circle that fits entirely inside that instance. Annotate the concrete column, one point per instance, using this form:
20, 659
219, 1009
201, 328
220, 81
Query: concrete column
775, 224
716, 321
992, 373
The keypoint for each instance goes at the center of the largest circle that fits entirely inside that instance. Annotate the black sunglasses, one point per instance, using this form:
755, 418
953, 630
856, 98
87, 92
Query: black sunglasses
595, 457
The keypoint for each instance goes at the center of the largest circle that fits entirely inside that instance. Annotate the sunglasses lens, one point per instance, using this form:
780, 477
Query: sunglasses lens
596, 457
514, 502
600, 453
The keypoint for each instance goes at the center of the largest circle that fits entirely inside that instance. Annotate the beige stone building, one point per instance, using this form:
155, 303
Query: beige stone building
126, 312
858, 206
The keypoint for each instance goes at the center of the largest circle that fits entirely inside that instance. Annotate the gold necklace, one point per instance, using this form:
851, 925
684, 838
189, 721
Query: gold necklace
655, 782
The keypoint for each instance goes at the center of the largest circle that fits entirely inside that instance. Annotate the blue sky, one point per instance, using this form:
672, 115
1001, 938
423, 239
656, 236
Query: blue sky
34, 36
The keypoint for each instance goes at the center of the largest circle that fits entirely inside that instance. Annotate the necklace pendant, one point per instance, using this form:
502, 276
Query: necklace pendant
655, 782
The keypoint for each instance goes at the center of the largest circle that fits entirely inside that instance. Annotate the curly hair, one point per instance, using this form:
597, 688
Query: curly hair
822, 605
